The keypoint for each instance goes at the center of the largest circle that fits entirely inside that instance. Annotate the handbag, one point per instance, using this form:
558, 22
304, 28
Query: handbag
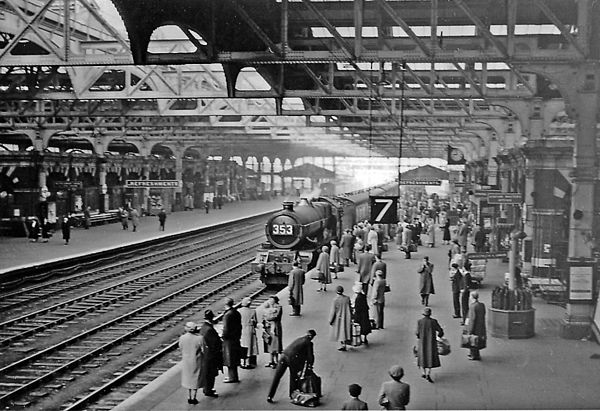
387, 288
443, 346
313, 274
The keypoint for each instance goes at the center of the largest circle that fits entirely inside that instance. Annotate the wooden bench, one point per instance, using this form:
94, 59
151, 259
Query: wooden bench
96, 219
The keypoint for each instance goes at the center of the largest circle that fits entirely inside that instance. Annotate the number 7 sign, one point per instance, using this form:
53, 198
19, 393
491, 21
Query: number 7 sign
384, 209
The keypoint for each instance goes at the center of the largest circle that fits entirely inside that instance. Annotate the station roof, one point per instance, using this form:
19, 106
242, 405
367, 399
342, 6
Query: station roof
426, 172
308, 171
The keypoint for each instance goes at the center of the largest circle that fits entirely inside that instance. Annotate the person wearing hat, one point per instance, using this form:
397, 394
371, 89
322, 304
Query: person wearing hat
426, 281
340, 318
365, 263
361, 312
298, 355
213, 358
232, 333
395, 394
323, 269
296, 288
354, 403
248, 342
428, 329
334, 257
475, 325
456, 283
378, 298
192, 348
347, 247
272, 329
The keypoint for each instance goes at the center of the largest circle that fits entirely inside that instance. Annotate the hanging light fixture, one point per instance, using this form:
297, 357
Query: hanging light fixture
401, 136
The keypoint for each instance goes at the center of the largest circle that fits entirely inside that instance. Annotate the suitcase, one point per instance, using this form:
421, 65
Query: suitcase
311, 383
356, 340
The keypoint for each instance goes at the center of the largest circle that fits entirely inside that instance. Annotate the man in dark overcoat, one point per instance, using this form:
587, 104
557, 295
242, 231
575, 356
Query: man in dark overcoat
295, 285
466, 286
296, 356
66, 228
232, 334
347, 246
426, 281
475, 325
213, 359
365, 262
456, 284
428, 329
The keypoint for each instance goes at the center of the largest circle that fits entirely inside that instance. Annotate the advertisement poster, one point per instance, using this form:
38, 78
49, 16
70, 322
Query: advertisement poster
581, 284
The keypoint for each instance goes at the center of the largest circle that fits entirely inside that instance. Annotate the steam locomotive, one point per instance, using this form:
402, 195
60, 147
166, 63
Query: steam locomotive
296, 231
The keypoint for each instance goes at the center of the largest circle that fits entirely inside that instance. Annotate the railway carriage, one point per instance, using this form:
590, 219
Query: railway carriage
296, 231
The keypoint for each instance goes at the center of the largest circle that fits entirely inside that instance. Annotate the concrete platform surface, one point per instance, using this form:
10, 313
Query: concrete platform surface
16, 252
544, 372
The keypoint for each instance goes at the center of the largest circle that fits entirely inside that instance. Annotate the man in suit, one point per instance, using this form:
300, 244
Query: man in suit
378, 298
395, 394
475, 325
295, 356
347, 246
380, 265
295, 285
365, 262
466, 287
456, 281
213, 359
232, 334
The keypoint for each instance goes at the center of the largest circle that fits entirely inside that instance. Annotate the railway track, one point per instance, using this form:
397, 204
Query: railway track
126, 383
19, 300
19, 328
34, 377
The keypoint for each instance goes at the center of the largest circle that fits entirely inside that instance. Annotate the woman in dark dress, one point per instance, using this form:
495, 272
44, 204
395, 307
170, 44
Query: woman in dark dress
360, 314
446, 228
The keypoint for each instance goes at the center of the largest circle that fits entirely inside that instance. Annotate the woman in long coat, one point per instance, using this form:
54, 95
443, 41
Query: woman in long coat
334, 257
426, 281
446, 228
361, 312
323, 267
399, 230
213, 358
192, 348
431, 232
340, 319
272, 330
248, 341
428, 329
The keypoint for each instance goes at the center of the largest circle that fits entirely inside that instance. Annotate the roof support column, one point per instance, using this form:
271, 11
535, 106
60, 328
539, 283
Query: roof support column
359, 7
582, 244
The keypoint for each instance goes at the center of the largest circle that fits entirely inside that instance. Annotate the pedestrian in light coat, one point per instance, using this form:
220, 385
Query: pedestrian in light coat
398, 238
395, 394
428, 329
213, 357
340, 318
135, 218
232, 333
323, 268
373, 240
272, 329
426, 281
192, 348
347, 246
124, 215
248, 342
334, 258
378, 298
365, 262
296, 279
463, 233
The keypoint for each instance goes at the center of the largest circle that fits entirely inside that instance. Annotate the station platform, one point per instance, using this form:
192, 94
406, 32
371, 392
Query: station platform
543, 372
19, 252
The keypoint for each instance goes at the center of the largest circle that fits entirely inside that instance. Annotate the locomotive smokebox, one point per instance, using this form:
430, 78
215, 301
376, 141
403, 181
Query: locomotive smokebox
288, 205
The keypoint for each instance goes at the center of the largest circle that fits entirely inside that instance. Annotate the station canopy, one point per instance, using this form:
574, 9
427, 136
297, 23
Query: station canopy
425, 173
308, 171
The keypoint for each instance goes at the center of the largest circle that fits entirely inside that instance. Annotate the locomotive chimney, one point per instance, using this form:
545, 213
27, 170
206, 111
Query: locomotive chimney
288, 205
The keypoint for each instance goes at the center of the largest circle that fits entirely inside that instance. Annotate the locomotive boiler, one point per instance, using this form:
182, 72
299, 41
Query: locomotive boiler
296, 231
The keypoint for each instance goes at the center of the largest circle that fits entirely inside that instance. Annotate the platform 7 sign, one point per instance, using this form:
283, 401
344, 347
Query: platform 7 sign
384, 210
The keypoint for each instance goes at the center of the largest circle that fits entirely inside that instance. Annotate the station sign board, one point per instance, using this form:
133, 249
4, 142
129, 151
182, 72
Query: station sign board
421, 182
384, 209
153, 183
485, 193
460, 184
504, 198
487, 256
68, 185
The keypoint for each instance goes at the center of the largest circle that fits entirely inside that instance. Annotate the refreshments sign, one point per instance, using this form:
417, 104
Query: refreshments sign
153, 184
